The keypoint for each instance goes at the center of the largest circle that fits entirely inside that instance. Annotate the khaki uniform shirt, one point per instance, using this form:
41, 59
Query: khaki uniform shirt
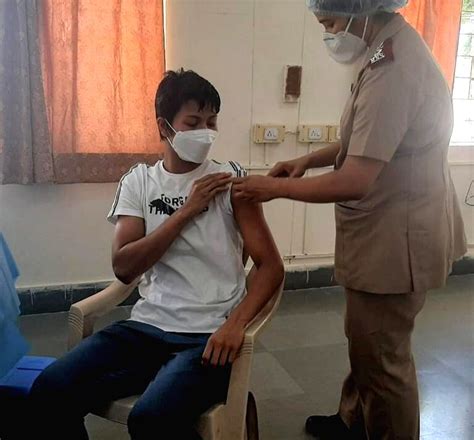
406, 233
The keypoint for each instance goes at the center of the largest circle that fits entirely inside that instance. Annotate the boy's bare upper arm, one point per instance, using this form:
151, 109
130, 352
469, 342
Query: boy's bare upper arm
258, 239
127, 230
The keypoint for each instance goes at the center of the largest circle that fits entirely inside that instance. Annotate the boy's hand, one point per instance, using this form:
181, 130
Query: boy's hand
204, 190
223, 346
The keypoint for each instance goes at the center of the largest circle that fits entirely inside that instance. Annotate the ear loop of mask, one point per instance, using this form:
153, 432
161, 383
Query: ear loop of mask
365, 26
349, 25
167, 138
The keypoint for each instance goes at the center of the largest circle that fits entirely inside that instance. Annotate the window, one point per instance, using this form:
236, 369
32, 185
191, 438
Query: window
102, 63
78, 79
463, 93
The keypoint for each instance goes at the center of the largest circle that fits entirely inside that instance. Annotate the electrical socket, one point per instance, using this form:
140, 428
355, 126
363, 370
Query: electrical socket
269, 133
313, 133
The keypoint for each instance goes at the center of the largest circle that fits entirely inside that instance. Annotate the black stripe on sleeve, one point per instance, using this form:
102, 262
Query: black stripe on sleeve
232, 164
241, 172
238, 169
119, 189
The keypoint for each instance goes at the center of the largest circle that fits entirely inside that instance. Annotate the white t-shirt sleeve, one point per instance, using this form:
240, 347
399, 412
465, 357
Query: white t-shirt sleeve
237, 171
128, 199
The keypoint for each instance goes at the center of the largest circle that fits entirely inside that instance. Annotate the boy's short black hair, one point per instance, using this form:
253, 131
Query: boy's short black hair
182, 86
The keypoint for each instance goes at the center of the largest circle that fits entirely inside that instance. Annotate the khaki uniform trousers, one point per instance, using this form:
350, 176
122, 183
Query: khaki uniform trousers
382, 386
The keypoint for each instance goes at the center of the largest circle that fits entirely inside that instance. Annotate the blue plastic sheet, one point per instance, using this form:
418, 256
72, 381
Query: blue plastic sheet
12, 344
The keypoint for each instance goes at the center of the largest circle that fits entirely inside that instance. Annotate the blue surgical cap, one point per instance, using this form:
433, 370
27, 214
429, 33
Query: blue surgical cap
357, 8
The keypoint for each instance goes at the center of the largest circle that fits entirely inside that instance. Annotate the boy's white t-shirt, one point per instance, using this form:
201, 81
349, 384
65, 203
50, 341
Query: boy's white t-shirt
201, 278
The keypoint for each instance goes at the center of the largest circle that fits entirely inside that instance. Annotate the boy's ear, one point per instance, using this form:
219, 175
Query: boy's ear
163, 128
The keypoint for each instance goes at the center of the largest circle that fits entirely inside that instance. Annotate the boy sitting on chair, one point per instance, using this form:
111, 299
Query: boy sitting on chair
177, 224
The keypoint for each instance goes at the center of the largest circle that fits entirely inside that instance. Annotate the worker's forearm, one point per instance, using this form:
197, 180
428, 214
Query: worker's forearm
135, 258
324, 157
267, 278
326, 188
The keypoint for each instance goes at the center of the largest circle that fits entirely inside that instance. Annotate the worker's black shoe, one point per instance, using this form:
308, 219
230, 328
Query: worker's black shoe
328, 428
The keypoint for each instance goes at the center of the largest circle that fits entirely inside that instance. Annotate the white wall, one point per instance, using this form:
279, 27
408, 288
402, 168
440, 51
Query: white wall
59, 234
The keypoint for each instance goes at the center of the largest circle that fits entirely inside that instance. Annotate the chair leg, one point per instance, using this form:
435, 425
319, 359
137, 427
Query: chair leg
251, 419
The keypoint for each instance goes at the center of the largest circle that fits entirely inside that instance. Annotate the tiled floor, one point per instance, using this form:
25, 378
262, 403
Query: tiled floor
301, 361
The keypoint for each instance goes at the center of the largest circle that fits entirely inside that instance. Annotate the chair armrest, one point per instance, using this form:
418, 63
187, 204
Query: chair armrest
236, 404
84, 314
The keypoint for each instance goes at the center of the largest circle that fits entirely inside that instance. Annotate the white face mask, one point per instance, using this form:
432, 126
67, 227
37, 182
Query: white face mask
192, 145
344, 47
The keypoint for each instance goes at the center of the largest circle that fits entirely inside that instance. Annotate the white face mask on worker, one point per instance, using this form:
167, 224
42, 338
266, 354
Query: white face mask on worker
192, 145
344, 47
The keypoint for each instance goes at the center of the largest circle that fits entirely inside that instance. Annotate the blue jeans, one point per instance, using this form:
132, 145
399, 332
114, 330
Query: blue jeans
125, 359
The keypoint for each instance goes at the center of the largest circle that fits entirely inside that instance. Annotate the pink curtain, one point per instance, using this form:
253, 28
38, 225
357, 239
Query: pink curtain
102, 61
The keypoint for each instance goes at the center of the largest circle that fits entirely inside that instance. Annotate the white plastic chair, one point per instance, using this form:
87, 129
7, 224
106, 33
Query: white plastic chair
234, 420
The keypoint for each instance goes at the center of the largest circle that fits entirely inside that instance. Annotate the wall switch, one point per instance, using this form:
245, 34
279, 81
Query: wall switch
334, 133
268, 134
313, 133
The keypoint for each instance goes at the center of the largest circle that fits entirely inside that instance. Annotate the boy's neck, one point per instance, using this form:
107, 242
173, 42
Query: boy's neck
173, 164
